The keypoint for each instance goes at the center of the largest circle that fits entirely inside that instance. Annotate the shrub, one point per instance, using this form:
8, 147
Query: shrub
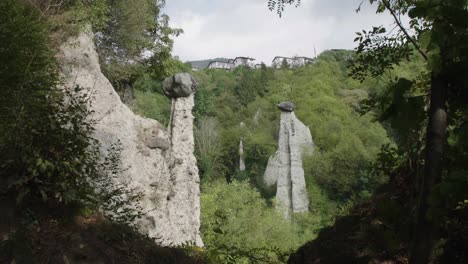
48, 158
239, 227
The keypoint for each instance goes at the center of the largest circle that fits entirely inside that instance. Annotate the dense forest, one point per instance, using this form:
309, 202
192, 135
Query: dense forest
387, 182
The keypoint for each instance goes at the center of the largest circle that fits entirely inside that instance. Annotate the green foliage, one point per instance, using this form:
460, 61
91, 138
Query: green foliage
152, 105
248, 85
238, 224
130, 29
148, 97
437, 34
258, 146
347, 143
328, 101
207, 142
48, 158
279, 5
93, 12
285, 64
133, 38
239, 227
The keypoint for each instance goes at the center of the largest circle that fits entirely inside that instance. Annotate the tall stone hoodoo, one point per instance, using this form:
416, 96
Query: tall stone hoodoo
185, 199
241, 151
241, 155
285, 166
157, 163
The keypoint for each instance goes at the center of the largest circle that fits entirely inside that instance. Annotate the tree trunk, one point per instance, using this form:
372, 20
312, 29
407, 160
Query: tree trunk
425, 226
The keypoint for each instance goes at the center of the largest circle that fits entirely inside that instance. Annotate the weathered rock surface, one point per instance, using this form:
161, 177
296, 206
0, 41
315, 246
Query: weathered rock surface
285, 166
149, 154
241, 150
241, 155
179, 85
257, 116
185, 199
286, 106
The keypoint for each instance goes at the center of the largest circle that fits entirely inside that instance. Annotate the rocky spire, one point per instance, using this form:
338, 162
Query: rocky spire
241, 155
156, 163
185, 194
285, 166
241, 151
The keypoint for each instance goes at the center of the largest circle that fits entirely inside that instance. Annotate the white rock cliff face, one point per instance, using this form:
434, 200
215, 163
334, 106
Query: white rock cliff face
162, 167
285, 166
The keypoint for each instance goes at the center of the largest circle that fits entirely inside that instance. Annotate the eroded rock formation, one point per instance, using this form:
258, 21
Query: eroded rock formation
241, 155
158, 163
184, 203
241, 150
285, 166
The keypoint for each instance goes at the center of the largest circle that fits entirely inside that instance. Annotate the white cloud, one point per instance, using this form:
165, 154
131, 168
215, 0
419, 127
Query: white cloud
230, 28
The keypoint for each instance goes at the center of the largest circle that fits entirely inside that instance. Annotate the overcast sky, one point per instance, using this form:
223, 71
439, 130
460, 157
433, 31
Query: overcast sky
230, 28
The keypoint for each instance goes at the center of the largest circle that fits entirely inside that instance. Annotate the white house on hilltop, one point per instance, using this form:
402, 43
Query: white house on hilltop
221, 65
242, 61
248, 62
292, 62
278, 61
231, 64
301, 61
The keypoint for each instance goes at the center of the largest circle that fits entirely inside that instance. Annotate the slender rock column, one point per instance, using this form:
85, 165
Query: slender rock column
285, 167
241, 151
241, 155
284, 185
185, 194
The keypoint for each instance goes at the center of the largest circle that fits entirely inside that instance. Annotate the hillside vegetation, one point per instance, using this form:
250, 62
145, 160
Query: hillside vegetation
387, 182
58, 201
236, 206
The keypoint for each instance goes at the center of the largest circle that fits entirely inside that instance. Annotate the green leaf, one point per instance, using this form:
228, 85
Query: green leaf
425, 39
43, 167
43, 195
24, 191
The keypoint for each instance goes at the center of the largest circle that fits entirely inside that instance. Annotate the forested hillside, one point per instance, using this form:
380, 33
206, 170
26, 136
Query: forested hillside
386, 182
364, 130
236, 205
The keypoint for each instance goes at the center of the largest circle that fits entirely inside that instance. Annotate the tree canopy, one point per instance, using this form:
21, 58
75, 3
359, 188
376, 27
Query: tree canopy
435, 98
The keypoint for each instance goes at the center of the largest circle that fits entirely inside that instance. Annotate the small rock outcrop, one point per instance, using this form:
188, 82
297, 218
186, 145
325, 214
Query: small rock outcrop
157, 163
285, 166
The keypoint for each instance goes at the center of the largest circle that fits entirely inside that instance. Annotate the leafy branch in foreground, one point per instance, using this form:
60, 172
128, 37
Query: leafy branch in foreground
280, 4
437, 32
48, 158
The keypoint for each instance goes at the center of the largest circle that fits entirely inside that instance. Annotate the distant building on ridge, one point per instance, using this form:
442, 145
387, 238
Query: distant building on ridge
231, 63
221, 65
242, 61
278, 61
292, 62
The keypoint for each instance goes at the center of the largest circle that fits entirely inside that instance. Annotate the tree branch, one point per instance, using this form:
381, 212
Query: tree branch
387, 5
